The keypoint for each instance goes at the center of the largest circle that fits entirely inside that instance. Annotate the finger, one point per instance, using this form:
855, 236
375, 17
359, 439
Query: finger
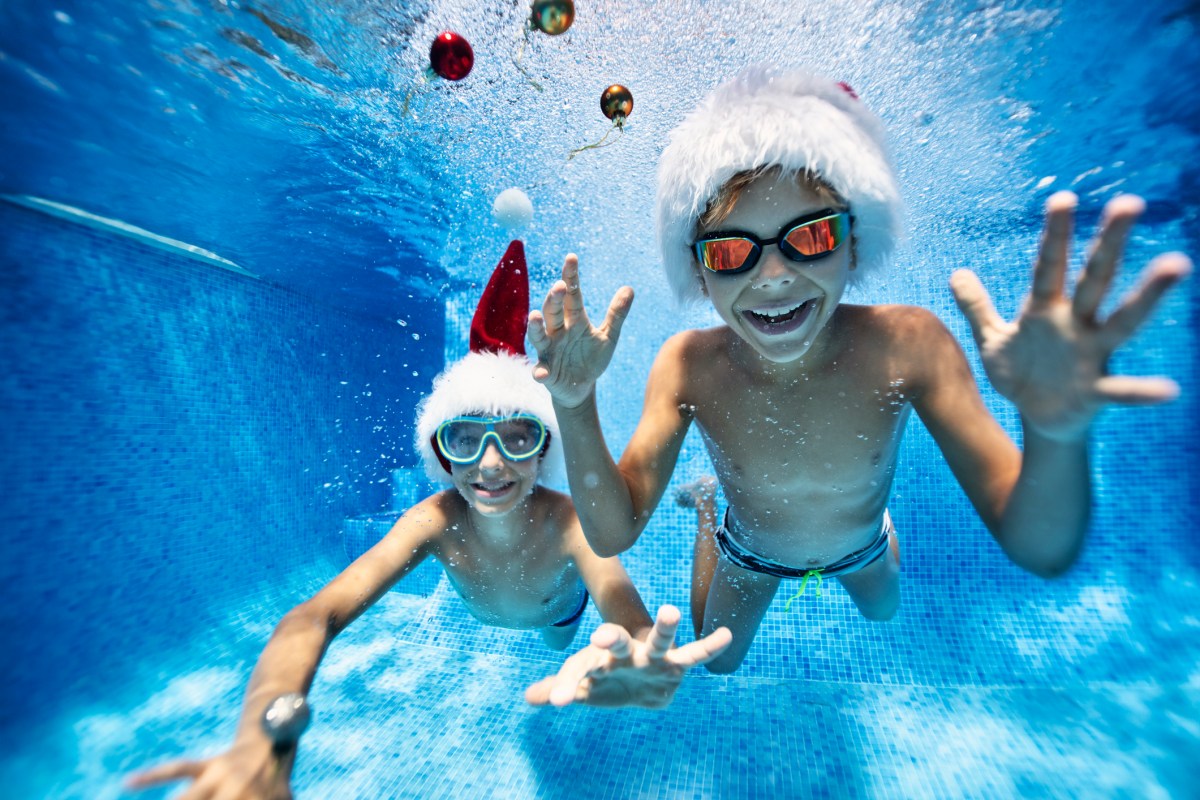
552, 308
974, 303
163, 773
1133, 391
703, 650
571, 682
573, 301
1050, 269
615, 639
618, 310
1164, 272
535, 329
662, 635
1119, 217
538, 694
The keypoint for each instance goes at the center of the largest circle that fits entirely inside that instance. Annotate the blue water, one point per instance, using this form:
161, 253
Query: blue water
187, 452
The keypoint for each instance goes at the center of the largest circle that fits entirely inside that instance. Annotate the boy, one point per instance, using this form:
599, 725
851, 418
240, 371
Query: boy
773, 197
512, 549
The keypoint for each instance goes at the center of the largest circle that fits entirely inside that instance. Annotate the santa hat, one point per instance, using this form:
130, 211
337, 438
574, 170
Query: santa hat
495, 378
764, 117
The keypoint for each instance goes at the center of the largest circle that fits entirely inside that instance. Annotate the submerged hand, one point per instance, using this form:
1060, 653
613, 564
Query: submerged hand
618, 670
1052, 362
244, 772
572, 354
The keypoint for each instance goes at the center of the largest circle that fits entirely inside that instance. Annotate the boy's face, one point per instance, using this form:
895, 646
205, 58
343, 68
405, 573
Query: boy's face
779, 306
494, 485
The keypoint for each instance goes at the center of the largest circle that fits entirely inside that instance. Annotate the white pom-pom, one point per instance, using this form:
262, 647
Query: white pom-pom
512, 208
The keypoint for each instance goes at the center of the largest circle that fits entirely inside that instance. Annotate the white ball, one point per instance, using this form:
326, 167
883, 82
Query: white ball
512, 208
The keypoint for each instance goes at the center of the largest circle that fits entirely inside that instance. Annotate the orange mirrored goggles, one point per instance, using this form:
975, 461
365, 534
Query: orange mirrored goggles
808, 238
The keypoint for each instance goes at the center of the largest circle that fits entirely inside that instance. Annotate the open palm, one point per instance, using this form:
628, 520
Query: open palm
1052, 361
572, 354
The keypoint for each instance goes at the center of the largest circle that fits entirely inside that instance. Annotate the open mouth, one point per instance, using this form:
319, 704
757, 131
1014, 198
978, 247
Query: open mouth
492, 489
785, 319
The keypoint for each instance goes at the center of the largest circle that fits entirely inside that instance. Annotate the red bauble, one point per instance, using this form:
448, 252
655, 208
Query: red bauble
451, 56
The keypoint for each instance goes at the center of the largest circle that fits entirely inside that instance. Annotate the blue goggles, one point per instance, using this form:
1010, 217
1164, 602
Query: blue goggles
462, 440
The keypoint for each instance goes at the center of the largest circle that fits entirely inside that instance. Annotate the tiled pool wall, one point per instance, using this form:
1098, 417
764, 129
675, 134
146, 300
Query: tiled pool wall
178, 440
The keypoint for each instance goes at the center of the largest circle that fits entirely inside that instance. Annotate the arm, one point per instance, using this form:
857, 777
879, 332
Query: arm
609, 585
629, 662
1036, 505
289, 663
1052, 364
614, 503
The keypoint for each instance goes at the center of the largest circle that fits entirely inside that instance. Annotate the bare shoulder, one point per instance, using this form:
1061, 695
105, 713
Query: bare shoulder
426, 521
904, 332
693, 354
552, 503
696, 342
896, 319
909, 343
557, 514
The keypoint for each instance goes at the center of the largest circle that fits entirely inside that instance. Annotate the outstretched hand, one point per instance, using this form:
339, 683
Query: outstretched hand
618, 670
244, 772
1052, 361
572, 354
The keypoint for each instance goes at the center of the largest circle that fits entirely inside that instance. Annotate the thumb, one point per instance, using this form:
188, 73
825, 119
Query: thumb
974, 303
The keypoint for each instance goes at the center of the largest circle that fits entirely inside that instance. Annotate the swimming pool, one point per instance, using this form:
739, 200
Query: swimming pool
189, 449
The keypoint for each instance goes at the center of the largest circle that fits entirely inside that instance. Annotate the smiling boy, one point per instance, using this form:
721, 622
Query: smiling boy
512, 549
774, 197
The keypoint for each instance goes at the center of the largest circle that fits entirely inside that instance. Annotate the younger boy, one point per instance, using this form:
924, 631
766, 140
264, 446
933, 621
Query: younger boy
774, 197
512, 549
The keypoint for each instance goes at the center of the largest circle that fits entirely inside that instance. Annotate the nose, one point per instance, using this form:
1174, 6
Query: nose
772, 270
492, 459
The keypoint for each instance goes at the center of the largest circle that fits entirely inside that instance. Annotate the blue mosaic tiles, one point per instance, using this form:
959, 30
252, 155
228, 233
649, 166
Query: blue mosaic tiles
167, 425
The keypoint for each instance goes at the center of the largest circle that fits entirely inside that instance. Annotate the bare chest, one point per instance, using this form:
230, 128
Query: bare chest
524, 588
817, 453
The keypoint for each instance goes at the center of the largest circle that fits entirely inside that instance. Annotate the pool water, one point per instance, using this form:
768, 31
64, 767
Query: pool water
193, 442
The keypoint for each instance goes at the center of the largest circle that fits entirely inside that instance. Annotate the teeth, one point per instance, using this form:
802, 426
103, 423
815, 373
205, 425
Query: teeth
779, 314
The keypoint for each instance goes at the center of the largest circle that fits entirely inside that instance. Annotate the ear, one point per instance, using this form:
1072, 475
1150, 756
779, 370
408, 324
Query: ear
853, 252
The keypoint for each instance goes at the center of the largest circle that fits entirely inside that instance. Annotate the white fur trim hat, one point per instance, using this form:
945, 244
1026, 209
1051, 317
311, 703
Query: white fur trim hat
765, 117
495, 378
491, 384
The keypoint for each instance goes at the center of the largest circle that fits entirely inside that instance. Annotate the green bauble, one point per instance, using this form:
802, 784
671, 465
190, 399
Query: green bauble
552, 17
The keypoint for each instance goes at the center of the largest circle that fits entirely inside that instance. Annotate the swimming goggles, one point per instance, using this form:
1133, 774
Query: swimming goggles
805, 239
462, 440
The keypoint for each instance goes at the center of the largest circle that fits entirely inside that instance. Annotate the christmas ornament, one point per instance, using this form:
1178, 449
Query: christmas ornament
450, 58
616, 103
512, 208
552, 17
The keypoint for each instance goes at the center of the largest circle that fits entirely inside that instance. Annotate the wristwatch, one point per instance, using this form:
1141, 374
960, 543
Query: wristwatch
286, 718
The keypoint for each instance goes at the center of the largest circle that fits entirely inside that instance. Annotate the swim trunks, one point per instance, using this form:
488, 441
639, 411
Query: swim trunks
571, 620
746, 558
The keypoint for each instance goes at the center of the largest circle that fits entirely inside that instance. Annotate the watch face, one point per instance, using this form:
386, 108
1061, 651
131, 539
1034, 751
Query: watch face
285, 718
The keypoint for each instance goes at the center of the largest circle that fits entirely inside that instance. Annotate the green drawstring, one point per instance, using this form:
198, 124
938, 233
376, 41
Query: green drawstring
812, 573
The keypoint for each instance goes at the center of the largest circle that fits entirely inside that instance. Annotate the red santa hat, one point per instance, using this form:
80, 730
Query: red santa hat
496, 377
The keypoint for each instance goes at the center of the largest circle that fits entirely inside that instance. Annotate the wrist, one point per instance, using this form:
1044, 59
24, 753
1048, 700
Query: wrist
1062, 436
568, 408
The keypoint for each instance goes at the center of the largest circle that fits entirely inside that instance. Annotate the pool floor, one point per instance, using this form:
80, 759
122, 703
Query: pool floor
398, 717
